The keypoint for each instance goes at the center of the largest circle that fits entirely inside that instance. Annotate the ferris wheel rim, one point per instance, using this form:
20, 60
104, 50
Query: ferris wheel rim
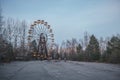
42, 25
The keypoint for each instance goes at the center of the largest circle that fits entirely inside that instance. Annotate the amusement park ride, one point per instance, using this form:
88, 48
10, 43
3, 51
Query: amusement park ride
40, 40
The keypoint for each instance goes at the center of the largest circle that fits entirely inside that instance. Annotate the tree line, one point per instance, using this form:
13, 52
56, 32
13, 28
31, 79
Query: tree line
13, 41
92, 49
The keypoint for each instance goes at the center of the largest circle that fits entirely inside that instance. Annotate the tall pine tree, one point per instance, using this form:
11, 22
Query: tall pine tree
80, 56
113, 50
92, 50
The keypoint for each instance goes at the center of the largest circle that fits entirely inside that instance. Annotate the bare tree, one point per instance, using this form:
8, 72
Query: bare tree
15, 33
86, 39
23, 36
74, 45
1, 22
102, 44
63, 50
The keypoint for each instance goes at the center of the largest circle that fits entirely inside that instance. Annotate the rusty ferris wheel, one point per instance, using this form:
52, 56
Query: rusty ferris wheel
40, 39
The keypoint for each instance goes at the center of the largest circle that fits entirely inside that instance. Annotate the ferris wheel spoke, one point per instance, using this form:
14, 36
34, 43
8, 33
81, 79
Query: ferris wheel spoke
39, 28
37, 31
45, 29
42, 28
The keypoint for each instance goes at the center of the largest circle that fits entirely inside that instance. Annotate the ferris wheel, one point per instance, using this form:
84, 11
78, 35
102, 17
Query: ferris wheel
40, 38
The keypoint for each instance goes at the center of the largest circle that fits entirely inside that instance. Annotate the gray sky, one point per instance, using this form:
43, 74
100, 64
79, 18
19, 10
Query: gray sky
68, 18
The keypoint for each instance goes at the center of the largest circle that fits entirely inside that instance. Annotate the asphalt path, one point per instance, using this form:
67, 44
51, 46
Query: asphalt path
59, 70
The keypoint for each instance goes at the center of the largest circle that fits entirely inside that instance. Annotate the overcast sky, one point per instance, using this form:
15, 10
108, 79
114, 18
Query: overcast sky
68, 18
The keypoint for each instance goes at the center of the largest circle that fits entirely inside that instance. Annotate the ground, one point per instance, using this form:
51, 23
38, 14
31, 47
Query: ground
51, 70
